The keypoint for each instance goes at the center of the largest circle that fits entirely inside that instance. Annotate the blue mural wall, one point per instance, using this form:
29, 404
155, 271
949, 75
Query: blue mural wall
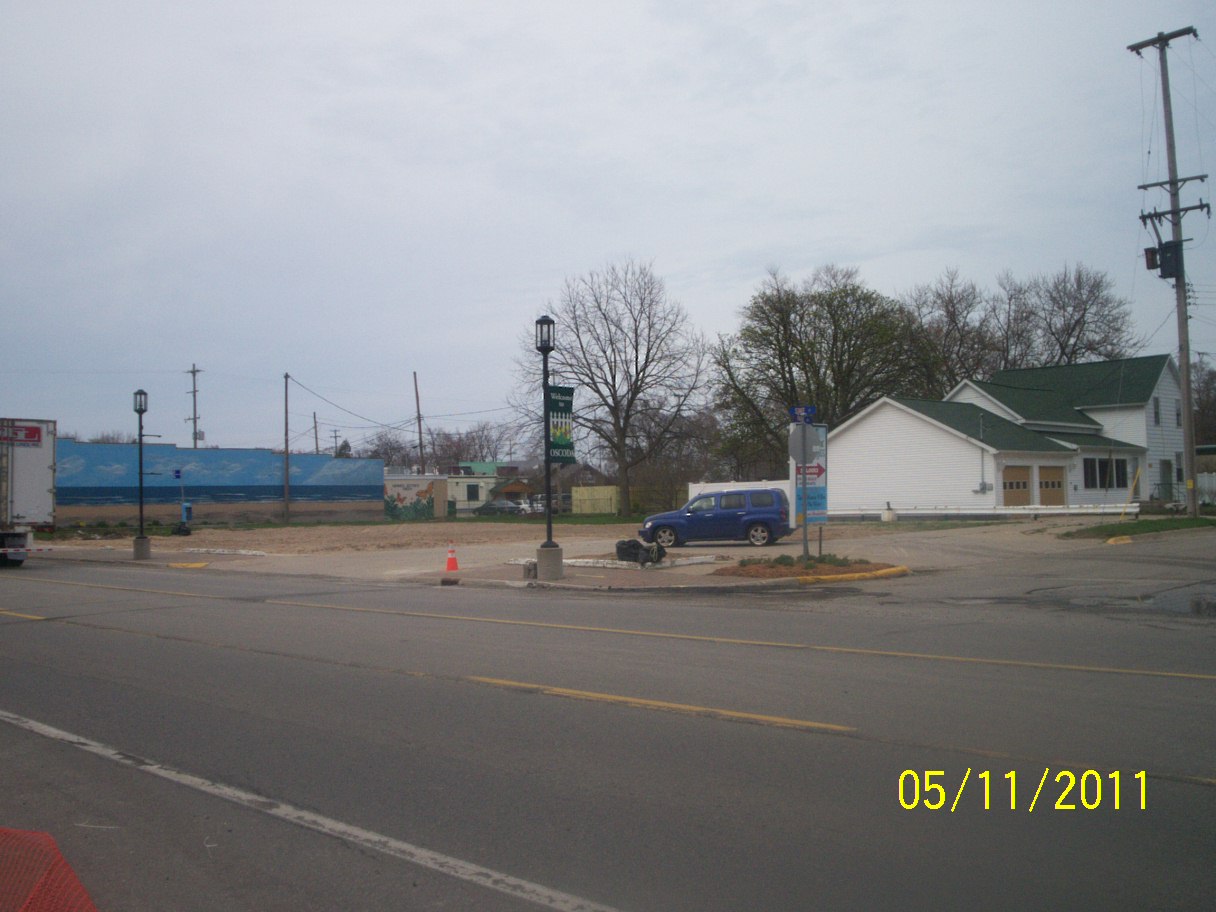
95, 474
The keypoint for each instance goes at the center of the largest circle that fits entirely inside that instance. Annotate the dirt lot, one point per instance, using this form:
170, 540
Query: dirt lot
316, 539
313, 539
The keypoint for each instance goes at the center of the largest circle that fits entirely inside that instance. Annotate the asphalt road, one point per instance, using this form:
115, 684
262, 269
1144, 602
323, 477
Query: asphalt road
209, 739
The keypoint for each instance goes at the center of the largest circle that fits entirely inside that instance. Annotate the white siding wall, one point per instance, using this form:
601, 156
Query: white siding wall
975, 397
1079, 496
1128, 424
1164, 440
892, 456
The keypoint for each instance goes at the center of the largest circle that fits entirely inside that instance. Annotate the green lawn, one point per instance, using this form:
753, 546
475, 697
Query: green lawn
1142, 527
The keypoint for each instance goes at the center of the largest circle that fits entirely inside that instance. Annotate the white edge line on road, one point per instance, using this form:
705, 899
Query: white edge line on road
435, 861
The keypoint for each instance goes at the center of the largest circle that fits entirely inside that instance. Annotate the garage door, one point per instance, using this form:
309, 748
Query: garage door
1051, 486
1015, 481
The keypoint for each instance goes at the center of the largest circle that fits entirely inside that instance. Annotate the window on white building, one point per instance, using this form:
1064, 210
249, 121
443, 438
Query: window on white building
1102, 474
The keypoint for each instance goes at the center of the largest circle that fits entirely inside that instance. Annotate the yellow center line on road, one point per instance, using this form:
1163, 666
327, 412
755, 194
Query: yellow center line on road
108, 588
24, 617
768, 644
711, 712
664, 635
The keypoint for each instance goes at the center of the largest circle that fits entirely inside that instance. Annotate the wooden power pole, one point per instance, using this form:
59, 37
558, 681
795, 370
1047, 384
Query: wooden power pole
418, 412
194, 371
1167, 257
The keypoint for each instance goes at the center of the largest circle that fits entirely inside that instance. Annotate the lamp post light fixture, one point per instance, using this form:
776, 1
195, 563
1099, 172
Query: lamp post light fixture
143, 548
548, 555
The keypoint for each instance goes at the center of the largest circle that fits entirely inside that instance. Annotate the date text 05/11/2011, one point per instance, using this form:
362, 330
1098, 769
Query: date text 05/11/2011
1085, 790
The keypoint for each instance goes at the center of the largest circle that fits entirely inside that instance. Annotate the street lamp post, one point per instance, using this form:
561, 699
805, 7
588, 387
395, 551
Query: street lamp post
143, 548
548, 555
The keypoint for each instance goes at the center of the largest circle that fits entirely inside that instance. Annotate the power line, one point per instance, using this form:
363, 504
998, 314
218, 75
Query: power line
397, 425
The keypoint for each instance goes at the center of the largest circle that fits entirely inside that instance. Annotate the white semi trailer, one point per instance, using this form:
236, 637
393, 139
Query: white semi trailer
27, 485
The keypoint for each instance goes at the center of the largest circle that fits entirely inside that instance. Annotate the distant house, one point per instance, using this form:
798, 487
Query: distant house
1096, 434
474, 484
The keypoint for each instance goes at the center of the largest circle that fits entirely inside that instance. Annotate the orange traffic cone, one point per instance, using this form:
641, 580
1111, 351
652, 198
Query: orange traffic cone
452, 565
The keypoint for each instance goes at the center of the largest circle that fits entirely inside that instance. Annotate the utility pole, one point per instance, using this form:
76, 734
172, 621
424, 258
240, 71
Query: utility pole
1167, 257
316, 436
335, 433
286, 456
418, 412
194, 371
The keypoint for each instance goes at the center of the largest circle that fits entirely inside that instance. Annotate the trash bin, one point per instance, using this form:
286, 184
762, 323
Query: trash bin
187, 512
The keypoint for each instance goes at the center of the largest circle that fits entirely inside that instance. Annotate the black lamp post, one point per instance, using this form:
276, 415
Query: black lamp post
142, 548
544, 345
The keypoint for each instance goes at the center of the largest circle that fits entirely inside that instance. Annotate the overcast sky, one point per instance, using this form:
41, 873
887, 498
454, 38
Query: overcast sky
353, 192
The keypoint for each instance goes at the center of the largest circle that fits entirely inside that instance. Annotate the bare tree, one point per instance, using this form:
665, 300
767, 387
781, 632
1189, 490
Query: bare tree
391, 446
484, 442
1064, 318
960, 343
114, 437
689, 450
633, 359
1079, 318
1010, 319
1203, 379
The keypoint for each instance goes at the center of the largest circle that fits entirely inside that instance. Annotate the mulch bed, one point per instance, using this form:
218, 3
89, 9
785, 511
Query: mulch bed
786, 571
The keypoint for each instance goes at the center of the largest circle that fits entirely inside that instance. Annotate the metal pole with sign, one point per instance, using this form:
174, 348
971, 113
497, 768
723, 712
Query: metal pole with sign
806, 548
803, 415
808, 451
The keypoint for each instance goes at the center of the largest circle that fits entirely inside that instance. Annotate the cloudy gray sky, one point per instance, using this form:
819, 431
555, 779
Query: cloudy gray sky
353, 192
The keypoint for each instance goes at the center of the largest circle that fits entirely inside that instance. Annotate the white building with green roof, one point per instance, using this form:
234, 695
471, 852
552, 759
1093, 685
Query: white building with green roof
1101, 434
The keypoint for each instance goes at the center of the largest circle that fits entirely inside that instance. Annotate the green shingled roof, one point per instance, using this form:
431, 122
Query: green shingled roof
1043, 406
1129, 381
980, 424
1093, 441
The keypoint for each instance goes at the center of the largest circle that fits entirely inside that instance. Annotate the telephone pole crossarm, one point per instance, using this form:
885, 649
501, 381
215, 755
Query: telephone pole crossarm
1182, 181
1161, 40
1158, 216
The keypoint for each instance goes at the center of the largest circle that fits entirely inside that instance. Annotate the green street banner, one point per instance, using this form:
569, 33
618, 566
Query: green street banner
561, 424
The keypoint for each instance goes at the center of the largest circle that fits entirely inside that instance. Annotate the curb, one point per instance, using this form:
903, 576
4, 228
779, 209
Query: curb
854, 577
787, 584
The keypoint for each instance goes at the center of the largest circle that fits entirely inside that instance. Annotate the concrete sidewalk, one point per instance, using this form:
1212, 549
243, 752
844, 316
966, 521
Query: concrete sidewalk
589, 564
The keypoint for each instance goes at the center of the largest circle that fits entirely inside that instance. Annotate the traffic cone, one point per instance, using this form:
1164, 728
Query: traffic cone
452, 565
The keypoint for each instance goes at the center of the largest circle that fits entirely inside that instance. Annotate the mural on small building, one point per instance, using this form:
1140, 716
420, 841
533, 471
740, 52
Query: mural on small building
95, 474
414, 497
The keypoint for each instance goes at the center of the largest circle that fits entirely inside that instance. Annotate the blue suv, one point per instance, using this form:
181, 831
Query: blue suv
760, 516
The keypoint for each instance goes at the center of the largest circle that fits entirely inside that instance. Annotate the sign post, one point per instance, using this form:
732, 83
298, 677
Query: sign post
808, 450
800, 452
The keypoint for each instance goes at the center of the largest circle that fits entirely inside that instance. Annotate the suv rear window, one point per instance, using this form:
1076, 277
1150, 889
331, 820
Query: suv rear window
733, 502
763, 499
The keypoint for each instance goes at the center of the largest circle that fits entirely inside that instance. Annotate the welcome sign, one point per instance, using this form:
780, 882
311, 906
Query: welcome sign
561, 424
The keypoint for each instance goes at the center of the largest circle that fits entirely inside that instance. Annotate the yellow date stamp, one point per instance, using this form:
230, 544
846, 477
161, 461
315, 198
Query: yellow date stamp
1059, 790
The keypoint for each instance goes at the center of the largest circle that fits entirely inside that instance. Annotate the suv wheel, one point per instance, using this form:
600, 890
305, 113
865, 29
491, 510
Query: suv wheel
665, 537
758, 534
